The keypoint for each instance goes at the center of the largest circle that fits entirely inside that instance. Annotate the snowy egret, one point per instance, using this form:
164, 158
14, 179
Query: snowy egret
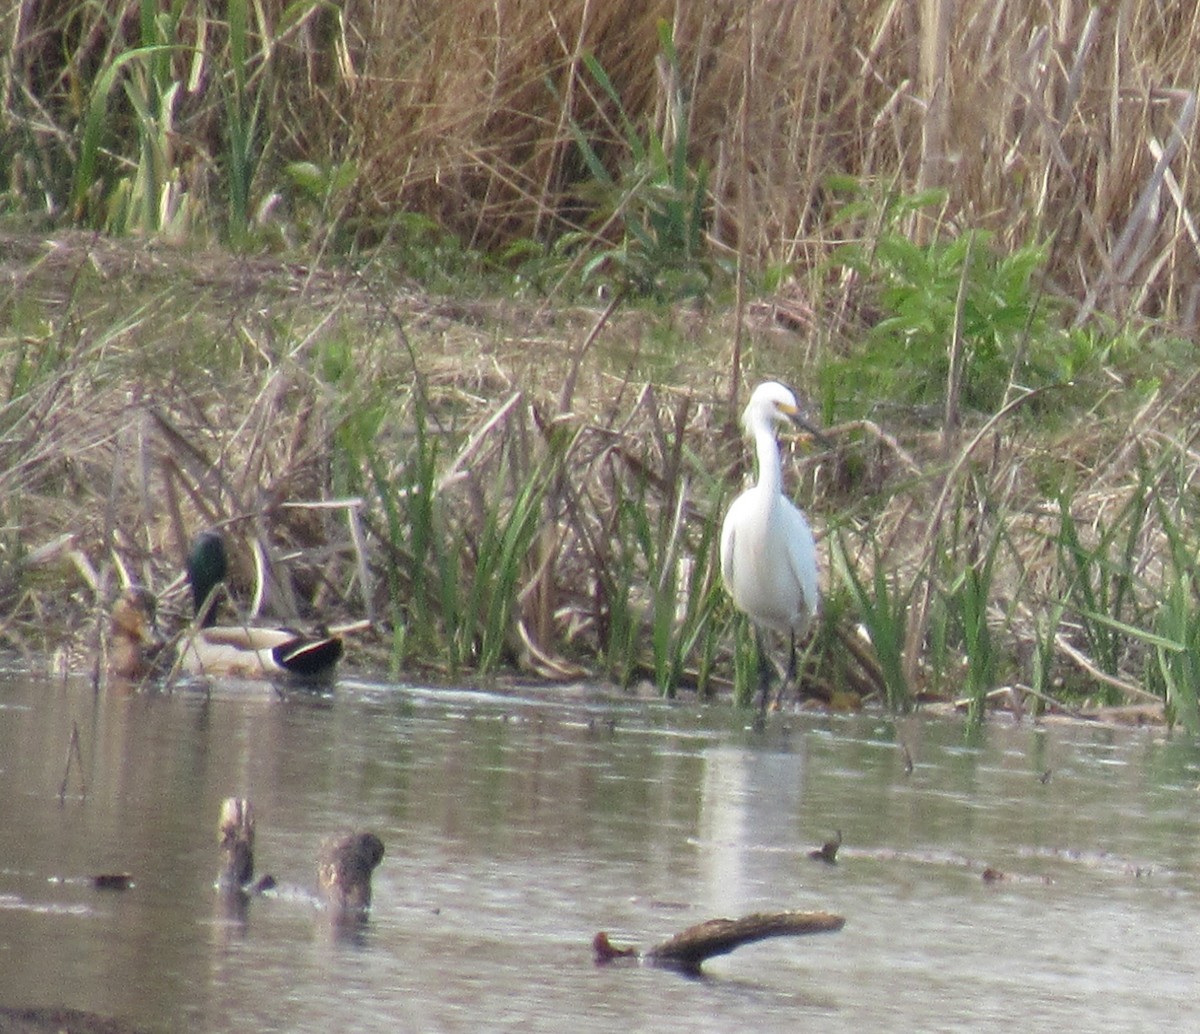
768, 557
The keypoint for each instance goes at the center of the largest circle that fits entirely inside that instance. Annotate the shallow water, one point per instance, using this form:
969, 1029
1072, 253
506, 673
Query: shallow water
519, 824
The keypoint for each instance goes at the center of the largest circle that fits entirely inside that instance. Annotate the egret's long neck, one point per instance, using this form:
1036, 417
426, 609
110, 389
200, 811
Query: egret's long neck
770, 470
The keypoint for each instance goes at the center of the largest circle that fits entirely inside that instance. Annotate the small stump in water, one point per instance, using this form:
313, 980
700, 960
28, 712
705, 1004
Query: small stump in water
235, 835
344, 867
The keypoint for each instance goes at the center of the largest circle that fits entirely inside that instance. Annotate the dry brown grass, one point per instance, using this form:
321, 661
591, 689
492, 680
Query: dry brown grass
1067, 121
1044, 121
191, 389
184, 392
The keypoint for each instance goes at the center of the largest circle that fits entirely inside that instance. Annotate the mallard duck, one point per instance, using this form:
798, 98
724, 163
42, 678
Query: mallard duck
249, 651
135, 649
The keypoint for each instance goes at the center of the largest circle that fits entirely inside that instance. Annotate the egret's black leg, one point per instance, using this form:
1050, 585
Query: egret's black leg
764, 672
792, 672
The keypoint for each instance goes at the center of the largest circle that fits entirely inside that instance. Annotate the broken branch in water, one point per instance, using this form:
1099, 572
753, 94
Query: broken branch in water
74, 752
687, 951
827, 852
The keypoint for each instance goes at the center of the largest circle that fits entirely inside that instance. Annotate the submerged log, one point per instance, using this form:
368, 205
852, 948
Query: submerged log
112, 881
59, 1021
687, 950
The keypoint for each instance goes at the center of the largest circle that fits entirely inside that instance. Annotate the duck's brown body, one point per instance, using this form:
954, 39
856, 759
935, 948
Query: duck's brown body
134, 647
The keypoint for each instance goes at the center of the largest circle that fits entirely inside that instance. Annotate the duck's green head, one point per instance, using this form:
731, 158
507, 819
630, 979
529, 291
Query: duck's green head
207, 565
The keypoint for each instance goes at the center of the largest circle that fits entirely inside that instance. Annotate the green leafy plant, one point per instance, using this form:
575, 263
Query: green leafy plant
502, 548
1100, 576
153, 133
882, 606
967, 599
241, 118
957, 315
1176, 654
1174, 665
658, 577
150, 197
655, 206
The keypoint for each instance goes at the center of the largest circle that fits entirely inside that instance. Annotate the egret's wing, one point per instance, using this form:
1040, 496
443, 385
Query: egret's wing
728, 533
801, 555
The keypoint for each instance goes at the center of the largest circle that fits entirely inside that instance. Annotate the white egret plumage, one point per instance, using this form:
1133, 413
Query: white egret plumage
768, 556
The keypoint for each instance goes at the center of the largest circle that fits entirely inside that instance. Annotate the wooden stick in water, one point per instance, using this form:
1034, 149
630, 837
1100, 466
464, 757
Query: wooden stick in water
73, 751
687, 950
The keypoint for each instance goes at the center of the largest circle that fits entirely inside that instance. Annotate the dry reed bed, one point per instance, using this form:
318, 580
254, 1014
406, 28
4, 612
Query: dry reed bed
569, 533
174, 401
1068, 121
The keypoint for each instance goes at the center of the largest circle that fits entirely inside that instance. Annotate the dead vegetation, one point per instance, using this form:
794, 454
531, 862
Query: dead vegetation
1070, 122
492, 492
506, 483
162, 393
